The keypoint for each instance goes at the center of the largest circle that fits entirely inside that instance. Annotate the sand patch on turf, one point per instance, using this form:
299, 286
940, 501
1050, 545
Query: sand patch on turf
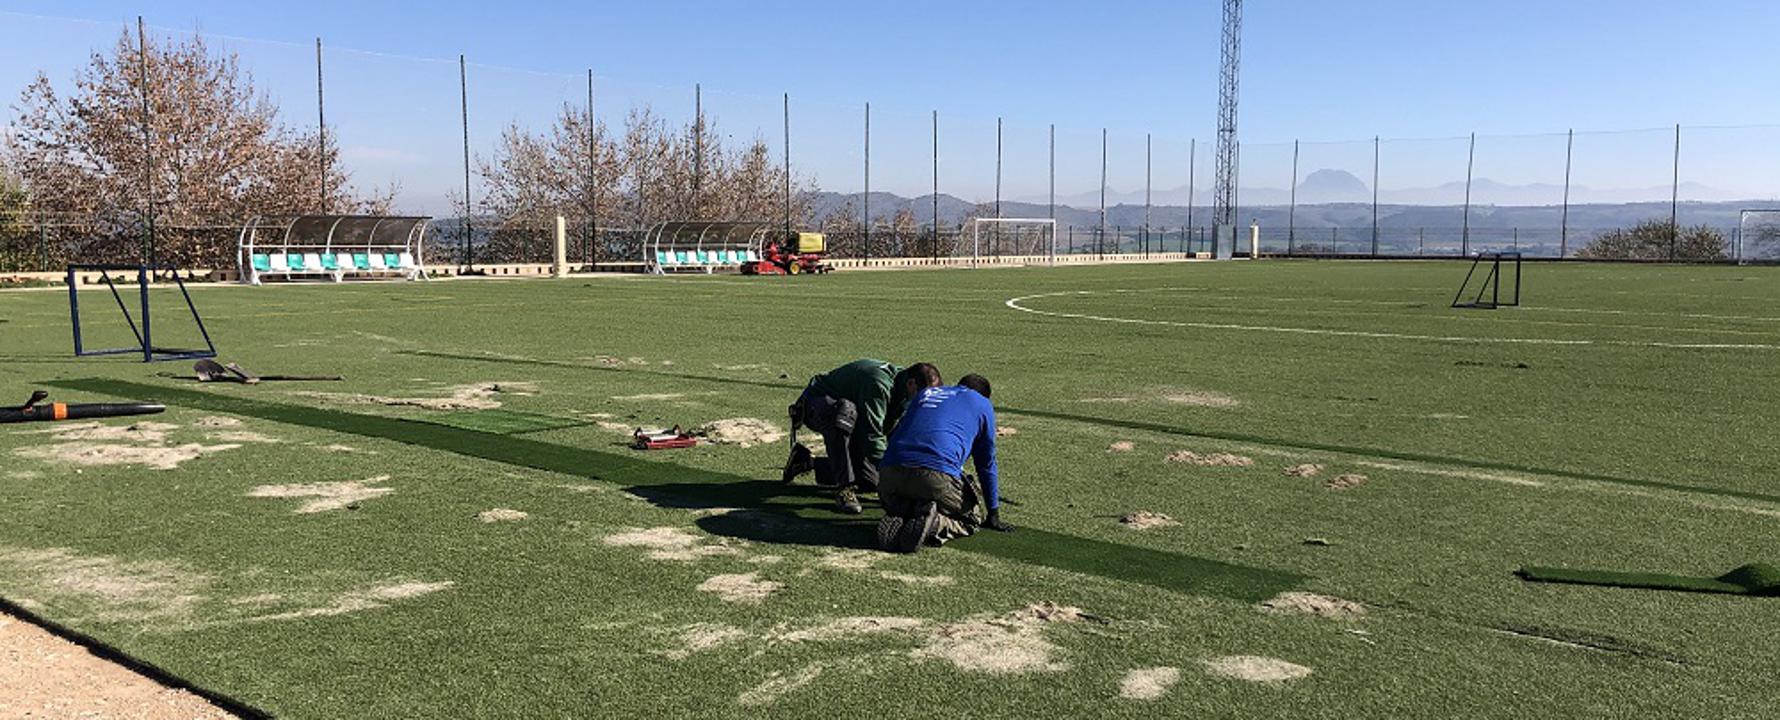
139, 432
347, 449
1148, 683
1304, 603
217, 421
479, 396
23, 475
45, 676
1005, 431
851, 627
1122, 446
1188, 457
746, 432
1199, 398
114, 588
778, 684
930, 581
740, 368
853, 560
1345, 481
1105, 400
1146, 520
699, 637
740, 587
1255, 668
668, 543
660, 397
1520, 480
1304, 470
1008, 644
351, 601
90, 454
501, 515
242, 436
326, 495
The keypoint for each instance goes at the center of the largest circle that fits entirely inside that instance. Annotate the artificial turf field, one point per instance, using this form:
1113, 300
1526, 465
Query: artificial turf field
1624, 419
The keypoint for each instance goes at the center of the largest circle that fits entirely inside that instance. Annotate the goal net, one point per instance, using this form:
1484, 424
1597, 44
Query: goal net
1013, 237
1758, 237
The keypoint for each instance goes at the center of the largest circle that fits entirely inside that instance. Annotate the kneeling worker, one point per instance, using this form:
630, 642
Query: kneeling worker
926, 497
853, 407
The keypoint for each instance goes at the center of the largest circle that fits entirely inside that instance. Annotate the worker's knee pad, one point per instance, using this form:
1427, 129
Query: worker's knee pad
845, 416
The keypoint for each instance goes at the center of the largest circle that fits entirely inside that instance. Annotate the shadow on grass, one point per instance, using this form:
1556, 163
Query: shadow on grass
802, 510
1354, 450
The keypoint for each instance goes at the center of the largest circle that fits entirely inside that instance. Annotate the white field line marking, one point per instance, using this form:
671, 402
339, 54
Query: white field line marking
1015, 304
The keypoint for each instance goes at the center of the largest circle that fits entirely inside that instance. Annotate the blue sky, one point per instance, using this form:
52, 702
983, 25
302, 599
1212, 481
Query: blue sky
1317, 71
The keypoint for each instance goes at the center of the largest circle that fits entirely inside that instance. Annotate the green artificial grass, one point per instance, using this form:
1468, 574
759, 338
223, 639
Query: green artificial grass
1754, 579
502, 422
1619, 397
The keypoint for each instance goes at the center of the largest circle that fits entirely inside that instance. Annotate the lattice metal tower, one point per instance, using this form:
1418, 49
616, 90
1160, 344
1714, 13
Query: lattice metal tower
1223, 214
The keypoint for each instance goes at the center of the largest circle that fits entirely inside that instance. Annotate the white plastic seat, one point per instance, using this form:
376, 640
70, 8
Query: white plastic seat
377, 262
279, 264
344, 260
407, 261
312, 262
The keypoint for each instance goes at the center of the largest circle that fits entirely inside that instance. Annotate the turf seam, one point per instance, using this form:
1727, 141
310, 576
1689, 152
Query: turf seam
161, 676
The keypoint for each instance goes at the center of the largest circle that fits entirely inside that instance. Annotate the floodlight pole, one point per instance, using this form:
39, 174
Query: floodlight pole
321, 130
867, 217
148, 154
998, 186
1053, 172
1374, 196
1147, 178
936, 184
1192, 160
698, 145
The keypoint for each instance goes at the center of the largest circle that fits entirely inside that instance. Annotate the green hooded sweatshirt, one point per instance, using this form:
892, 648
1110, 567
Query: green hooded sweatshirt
869, 384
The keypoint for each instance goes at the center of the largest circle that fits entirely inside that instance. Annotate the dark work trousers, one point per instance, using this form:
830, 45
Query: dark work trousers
834, 419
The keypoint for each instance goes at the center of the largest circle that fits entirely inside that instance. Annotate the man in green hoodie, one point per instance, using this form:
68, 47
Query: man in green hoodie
853, 407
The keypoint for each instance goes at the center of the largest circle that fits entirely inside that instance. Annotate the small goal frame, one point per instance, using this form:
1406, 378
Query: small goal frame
1743, 235
143, 332
976, 229
1489, 295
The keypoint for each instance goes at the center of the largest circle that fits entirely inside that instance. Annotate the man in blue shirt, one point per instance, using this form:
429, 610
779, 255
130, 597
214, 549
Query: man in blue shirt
922, 483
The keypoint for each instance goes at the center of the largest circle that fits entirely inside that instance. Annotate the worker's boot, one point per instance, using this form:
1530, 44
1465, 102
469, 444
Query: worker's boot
847, 501
888, 528
800, 462
916, 529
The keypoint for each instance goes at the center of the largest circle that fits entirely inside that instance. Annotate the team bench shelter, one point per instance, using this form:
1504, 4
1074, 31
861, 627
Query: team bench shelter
332, 247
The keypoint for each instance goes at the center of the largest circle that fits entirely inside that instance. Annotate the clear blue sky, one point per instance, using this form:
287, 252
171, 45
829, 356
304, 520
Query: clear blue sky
1317, 71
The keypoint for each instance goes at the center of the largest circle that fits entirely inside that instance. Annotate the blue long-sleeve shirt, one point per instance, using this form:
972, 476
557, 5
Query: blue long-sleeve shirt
942, 427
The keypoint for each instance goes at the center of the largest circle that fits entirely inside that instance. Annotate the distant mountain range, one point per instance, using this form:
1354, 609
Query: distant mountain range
1340, 186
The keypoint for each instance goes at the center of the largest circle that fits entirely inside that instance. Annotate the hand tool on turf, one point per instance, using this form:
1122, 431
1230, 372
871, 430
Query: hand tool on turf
662, 439
213, 371
34, 411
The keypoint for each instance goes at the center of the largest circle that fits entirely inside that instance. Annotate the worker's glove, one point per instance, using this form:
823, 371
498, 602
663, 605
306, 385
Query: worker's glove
994, 522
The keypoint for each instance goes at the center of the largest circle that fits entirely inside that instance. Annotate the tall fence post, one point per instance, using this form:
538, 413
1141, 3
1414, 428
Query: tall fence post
787, 165
1675, 197
593, 178
321, 131
463, 89
1147, 178
1374, 196
1564, 220
867, 218
698, 147
1292, 205
1192, 161
935, 184
1101, 243
148, 154
1470, 164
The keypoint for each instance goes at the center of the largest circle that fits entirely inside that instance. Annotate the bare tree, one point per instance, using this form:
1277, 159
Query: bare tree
214, 153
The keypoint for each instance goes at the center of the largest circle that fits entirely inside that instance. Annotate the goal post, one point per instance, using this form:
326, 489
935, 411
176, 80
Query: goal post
1758, 236
1026, 236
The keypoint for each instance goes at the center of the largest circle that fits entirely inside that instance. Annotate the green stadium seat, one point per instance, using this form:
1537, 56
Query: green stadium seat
361, 261
329, 262
262, 262
392, 260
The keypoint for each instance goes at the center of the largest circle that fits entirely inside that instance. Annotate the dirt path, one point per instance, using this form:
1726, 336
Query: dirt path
44, 676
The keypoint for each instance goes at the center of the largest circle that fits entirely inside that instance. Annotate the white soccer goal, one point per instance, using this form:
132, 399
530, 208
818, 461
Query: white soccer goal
1017, 237
1758, 237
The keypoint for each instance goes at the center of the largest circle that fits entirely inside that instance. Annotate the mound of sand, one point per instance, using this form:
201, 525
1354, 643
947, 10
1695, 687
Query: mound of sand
1343, 482
327, 495
746, 432
111, 588
479, 396
1303, 471
501, 515
740, 587
1303, 603
1122, 446
243, 436
1189, 457
668, 543
852, 627
139, 432
1199, 398
1145, 520
1148, 683
1004, 431
1255, 668
158, 457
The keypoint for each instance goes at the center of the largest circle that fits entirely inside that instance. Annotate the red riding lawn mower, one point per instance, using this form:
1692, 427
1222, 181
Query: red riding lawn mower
795, 254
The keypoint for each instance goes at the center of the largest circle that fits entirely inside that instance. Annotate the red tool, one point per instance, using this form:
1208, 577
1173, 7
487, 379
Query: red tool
663, 439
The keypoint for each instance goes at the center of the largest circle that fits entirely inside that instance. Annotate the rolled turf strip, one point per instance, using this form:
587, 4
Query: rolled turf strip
1759, 579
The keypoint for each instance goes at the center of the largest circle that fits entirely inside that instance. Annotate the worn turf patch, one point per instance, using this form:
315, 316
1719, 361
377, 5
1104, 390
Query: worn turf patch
679, 486
1753, 579
503, 422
